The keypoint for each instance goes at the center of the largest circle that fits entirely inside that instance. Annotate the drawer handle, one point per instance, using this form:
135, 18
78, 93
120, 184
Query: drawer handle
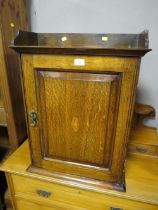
113, 208
141, 149
43, 193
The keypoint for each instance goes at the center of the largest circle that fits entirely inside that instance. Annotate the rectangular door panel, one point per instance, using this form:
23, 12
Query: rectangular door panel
77, 112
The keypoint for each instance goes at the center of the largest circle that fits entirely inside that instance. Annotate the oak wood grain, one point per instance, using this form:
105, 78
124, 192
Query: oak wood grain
141, 174
83, 103
127, 68
79, 114
82, 44
24, 204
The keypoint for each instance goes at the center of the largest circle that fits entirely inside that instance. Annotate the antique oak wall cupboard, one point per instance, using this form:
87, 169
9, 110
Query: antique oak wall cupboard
79, 93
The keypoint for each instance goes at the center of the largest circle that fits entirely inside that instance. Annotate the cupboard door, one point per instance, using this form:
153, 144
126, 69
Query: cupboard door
78, 118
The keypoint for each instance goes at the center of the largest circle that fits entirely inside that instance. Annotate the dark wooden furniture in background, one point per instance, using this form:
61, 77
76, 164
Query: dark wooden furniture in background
1, 207
12, 118
80, 92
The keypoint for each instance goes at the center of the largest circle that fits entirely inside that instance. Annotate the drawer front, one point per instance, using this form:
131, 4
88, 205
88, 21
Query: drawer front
46, 192
72, 198
142, 149
28, 205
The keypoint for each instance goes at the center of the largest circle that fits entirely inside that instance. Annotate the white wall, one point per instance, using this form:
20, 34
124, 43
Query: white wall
103, 16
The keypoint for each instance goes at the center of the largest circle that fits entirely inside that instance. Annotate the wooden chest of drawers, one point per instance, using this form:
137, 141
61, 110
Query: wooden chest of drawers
31, 191
143, 139
79, 91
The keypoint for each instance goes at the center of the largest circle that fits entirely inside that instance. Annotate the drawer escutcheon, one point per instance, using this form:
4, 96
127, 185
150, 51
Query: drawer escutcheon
43, 193
141, 149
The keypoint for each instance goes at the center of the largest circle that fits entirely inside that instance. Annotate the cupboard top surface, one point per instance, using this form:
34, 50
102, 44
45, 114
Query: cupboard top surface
75, 43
